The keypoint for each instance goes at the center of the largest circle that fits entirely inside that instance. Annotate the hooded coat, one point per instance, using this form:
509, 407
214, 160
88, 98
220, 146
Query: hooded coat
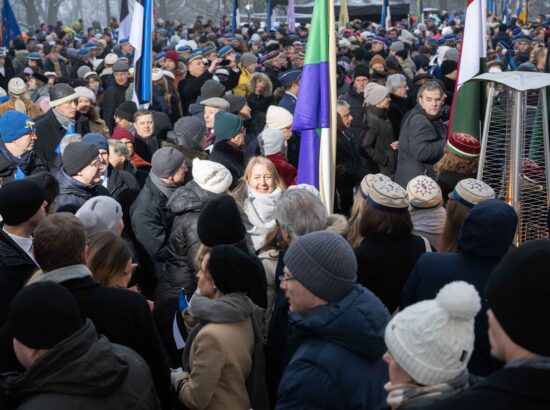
338, 363
486, 236
84, 371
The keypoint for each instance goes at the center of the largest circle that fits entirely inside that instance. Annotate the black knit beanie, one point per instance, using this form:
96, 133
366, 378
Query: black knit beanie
78, 155
19, 201
518, 291
361, 70
126, 110
220, 222
232, 269
43, 314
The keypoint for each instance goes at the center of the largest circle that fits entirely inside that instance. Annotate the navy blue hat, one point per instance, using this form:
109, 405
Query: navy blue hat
35, 56
15, 124
124, 41
160, 56
83, 52
225, 50
504, 44
97, 140
182, 49
523, 37
516, 31
290, 76
90, 44
193, 56
208, 49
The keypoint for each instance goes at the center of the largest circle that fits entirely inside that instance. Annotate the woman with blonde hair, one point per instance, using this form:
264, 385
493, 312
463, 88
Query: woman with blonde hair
257, 194
19, 99
110, 260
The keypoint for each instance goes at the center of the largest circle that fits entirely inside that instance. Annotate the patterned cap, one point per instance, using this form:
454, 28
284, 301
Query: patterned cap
387, 196
424, 193
194, 55
464, 145
471, 192
368, 181
225, 50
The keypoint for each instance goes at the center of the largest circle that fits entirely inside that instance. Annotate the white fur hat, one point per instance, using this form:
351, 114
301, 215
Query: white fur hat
211, 176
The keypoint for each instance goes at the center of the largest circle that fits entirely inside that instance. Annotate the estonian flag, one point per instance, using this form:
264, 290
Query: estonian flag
125, 21
141, 38
10, 28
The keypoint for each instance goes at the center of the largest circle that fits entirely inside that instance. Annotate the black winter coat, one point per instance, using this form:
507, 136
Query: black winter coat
10, 73
124, 188
48, 66
348, 156
76, 65
49, 132
231, 158
8, 169
377, 140
16, 267
399, 106
421, 144
112, 98
355, 101
190, 88
258, 108
384, 264
86, 371
146, 147
486, 236
448, 180
73, 193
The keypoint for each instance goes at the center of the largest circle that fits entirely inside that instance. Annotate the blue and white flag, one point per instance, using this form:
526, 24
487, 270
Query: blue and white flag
141, 38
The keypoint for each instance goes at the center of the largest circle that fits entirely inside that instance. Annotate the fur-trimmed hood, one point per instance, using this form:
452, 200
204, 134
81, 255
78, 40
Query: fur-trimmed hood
260, 76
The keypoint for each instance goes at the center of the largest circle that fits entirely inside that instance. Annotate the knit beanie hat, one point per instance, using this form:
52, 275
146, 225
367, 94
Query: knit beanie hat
61, 93
86, 93
126, 110
397, 46
15, 124
212, 88
120, 133
220, 222
324, 263
433, 340
518, 291
226, 125
43, 314
278, 118
448, 66
100, 213
19, 201
166, 161
361, 70
82, 71
470, 192
375, 93
232, 269
78, 155
17, 86
387, 196
187, 129
424, 193
368, 181
247, 59
173, 56
211, 176
271, 141
97, 140
464, 145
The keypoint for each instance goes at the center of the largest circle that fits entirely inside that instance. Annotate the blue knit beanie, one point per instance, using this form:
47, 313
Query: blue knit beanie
15, 124
98, 140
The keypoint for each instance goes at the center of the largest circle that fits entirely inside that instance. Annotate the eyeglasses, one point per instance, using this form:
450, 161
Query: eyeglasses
286, 278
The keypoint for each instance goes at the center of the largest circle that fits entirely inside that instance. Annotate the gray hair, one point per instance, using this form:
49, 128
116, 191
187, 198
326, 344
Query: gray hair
431, 86
394, 81
341, 104
300, 212
67, 139
119, 148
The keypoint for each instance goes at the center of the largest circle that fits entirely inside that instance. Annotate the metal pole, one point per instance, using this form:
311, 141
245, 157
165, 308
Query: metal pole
545, 137
485, 132
515, 154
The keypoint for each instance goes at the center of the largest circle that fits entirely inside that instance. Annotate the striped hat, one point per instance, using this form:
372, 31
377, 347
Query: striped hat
387, 196
464, 145
470, 192
194, 55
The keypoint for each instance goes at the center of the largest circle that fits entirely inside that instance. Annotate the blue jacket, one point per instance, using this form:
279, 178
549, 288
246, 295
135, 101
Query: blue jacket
288, 102
338, 363
486, 236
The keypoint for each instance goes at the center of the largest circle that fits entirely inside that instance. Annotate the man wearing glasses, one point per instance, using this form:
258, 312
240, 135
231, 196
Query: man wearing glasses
17, 156
79, 177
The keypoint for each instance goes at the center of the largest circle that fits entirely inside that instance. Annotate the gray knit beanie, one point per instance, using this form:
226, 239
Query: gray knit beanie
100, 213
212, 88
188, 132
271, 141
375, 93
166, 161
324, 263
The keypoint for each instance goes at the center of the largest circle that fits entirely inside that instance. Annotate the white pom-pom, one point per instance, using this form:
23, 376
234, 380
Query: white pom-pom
459, 299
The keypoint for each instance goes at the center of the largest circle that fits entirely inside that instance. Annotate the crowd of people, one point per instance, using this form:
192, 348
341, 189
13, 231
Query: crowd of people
167, 257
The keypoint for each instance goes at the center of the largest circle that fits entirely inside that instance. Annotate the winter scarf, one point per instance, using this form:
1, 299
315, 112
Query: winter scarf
65, 121
162, 186
22, 162
233, 307
402, 395
260, 210
66, 273
429, 220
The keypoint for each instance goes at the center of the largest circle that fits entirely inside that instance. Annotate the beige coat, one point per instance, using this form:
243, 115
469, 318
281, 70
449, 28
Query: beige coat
33, 110
221, 360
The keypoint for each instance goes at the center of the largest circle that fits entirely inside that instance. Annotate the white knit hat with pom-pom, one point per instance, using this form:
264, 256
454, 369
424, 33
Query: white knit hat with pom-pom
433, 340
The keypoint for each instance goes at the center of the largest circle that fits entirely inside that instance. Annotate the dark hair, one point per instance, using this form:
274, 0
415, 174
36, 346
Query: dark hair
108, 256
50, 187
384, 224
456, 214
59, 241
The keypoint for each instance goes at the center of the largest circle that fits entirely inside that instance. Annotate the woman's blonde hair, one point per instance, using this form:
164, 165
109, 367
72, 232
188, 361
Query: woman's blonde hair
451, 162
108, 256
240, 192
354, 235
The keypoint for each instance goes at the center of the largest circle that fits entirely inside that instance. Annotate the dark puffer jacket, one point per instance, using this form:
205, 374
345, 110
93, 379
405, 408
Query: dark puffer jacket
73, 193
338, 363
485, 238
377, 140
8, 169
84, 371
